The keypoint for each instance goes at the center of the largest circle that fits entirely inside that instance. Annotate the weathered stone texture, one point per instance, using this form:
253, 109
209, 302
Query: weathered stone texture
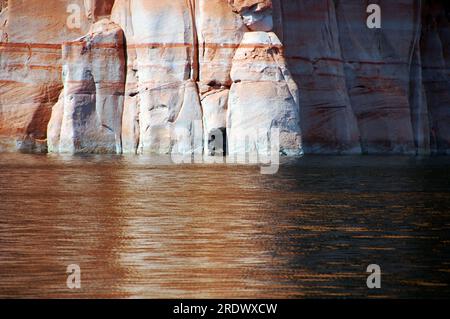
164, 72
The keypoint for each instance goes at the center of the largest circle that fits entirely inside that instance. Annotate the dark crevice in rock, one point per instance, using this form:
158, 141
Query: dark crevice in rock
217, 142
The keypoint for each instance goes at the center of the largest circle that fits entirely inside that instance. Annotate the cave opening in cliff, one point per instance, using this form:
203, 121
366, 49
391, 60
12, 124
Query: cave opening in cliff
217, 142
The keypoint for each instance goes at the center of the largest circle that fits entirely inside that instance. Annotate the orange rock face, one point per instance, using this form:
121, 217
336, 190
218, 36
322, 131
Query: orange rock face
160, 76
30, 69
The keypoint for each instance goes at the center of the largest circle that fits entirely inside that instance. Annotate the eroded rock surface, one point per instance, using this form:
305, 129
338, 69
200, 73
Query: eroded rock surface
30, 69
190, 68
263, 97
92, 101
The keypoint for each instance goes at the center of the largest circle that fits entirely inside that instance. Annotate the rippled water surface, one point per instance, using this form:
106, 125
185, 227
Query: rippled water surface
141, 229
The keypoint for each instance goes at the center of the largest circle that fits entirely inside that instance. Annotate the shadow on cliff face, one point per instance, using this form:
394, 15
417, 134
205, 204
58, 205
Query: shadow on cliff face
217, 142
365, 89
35, 139
435, 50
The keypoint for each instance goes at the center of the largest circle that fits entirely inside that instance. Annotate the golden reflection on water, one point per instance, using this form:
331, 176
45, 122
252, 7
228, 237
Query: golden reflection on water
142, 230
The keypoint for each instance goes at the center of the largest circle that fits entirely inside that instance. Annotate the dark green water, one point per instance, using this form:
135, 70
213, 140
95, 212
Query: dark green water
138, 229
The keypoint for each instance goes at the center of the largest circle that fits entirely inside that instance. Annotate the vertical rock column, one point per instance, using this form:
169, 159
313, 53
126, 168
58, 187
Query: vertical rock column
121, 14
163, 112
263, 96
220, 31
87, 119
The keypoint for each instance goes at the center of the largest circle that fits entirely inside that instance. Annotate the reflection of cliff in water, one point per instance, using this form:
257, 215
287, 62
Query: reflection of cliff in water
138, 229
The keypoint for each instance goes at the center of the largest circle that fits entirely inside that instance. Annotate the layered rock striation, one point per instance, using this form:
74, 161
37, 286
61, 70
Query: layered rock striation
207, 76
31, 67
87, 117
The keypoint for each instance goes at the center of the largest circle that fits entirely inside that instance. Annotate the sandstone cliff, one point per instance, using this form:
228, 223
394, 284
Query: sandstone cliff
161, 76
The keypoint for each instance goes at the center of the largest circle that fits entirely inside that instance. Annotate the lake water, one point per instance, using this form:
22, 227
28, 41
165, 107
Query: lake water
140, 229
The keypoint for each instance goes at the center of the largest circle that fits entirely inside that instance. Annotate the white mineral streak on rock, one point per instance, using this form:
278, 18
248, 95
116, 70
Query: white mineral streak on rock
263, 97
121, 14
94, 81
162, 70
54, 125
187, 134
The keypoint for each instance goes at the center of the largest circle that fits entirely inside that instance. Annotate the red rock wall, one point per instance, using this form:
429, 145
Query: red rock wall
361, 90
30, 69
